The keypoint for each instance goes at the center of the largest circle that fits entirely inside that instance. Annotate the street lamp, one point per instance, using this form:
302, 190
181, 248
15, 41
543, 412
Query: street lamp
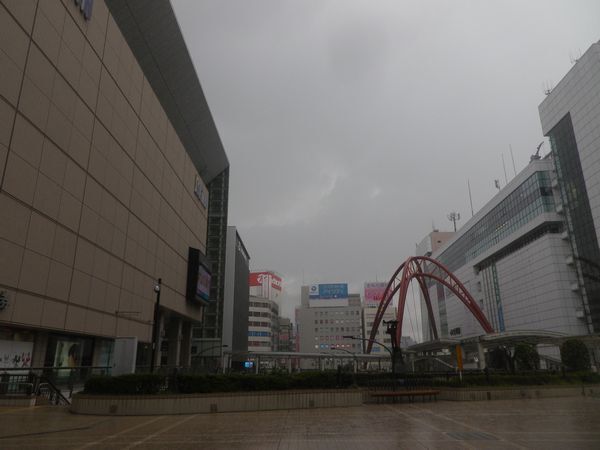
350, 353
389, 350
156, 325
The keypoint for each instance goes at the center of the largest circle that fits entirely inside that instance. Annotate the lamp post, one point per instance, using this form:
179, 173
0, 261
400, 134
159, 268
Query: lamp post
156, 325
389, 350
353, 356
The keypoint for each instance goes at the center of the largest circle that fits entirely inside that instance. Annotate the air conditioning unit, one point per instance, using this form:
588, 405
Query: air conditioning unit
569, 260
579, 313
555, 183
559, 208
565, 235
574, 287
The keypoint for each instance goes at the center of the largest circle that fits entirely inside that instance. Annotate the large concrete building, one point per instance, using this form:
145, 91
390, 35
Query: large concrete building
515, 259
324, 318
570, 117
111, 169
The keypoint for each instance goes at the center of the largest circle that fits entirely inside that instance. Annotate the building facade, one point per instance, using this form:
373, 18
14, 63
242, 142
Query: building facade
570, 117
235, 304
263, 324
515, 259
106, 171
321, 328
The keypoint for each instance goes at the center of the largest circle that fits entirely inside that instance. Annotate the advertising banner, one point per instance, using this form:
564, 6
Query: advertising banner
332, 294
203, 285
374, 293
14, 354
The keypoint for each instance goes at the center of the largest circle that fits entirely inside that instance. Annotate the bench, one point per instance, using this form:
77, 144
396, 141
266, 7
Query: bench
408, 393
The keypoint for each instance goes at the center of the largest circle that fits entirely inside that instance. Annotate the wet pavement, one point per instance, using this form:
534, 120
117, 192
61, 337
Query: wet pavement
567, 423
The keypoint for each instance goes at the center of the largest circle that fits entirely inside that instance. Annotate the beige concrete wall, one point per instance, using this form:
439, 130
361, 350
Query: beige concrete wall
96, 189
207, 403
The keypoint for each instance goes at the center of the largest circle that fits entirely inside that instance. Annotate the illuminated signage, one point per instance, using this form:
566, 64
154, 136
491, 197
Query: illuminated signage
332, 294
198, 278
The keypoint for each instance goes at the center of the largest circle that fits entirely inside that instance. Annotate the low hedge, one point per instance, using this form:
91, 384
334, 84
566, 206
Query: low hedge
132, 384
191, 384
137, 384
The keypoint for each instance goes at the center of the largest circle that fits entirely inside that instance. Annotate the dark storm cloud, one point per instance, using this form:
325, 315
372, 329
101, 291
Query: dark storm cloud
353, 126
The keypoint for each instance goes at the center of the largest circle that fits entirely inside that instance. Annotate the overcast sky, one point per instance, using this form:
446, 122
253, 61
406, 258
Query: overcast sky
352, 127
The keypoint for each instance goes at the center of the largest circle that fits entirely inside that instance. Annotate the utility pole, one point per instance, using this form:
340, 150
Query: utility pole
156, 325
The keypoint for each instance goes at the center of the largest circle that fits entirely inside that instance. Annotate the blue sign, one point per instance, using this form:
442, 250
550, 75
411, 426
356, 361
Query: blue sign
248, 364
328, 291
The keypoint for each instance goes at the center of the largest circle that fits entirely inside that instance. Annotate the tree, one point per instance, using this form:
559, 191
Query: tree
526, 356
574, 355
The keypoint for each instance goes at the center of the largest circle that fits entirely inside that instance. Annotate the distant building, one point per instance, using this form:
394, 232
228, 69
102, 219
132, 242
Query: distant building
286, 338
235, 304
373, 293
327, 314
262, 329
430, 244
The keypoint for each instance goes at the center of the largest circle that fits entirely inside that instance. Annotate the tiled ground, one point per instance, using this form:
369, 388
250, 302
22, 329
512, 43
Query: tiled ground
571, 423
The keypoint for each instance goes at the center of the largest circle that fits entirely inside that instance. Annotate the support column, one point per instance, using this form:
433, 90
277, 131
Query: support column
186, 345
40, 346
481, 355
159, 339
174, 336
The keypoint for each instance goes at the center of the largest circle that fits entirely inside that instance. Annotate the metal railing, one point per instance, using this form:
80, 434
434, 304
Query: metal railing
53, 384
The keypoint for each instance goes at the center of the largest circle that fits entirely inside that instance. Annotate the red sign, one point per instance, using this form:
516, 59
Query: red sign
262, 279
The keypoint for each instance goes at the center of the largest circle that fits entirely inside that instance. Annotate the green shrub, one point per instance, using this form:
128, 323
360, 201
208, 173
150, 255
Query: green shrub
574, 355
526, 356
131, 384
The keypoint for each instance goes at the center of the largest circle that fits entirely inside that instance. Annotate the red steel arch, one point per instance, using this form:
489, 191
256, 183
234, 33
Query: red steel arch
422, 268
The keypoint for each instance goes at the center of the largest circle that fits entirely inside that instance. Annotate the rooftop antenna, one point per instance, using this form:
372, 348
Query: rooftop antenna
537, 153
454, 217
513, 159
504, 167
497, 184
547, 88
470, 197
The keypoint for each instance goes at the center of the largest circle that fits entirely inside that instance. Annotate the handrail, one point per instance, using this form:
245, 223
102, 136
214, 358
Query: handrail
60, 398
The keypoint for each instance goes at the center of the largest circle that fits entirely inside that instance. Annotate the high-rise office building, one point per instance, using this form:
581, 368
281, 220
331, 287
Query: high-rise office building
570, 117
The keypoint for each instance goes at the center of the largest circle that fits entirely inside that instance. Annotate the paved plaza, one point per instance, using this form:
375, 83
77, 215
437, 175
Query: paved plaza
571, 423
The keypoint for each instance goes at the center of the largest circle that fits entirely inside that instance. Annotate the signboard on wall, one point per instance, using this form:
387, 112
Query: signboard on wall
327, 295
198, 278
15, 354
374, 293
265, 284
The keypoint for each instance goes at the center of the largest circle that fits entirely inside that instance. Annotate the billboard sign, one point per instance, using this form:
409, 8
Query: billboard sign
198, 278
374, 293
265, 284
332, 294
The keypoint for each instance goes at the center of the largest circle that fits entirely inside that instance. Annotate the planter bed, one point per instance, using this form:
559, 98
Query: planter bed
211, 403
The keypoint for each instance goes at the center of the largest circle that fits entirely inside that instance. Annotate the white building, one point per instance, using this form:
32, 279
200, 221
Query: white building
515, 259
570, 117
262, 324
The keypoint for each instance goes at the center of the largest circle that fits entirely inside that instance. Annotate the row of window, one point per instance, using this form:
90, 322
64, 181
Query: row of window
338, 313
259, 344
332, 321
259, 314
530, 199
259, 333
334, 346
333, 329
259, 324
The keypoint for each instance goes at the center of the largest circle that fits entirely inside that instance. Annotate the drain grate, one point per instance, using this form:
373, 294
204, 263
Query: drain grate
471, 436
